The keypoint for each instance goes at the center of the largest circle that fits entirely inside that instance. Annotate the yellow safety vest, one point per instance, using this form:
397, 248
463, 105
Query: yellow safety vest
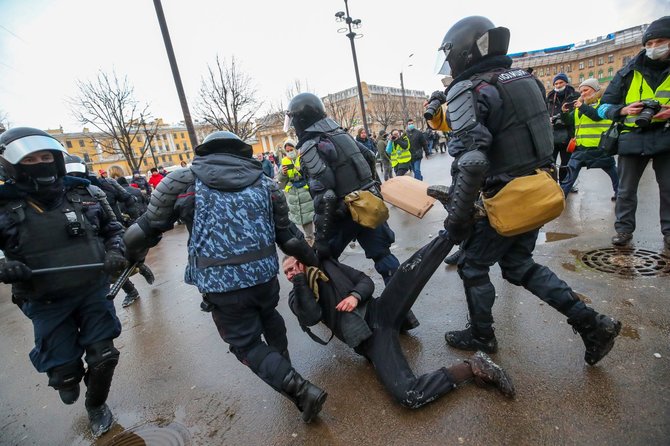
292, 174
640, 90
400, 155
588, 131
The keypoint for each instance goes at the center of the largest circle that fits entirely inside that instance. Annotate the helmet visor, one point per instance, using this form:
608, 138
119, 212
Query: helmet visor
441, 62
288, 123
18, 149
75, 168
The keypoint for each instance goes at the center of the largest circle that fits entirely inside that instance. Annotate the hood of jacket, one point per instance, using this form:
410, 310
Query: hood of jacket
228, 172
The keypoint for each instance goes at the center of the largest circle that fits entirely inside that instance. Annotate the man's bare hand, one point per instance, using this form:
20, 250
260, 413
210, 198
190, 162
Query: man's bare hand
347, 304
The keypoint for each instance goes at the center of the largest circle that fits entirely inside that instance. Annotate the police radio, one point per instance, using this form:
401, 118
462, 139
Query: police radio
74, 227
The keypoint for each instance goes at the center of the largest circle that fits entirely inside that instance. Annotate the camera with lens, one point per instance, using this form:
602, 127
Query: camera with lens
556, 119
651, 107
431, 109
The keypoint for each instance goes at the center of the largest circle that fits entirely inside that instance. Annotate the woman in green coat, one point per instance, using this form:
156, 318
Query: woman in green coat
300, 204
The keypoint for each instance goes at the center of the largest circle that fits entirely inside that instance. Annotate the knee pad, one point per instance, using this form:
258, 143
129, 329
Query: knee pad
102, 354
67, 375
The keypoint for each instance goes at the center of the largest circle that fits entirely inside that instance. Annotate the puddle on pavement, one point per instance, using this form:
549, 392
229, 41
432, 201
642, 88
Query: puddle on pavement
547, 237
629, 332
569, 266
173, 434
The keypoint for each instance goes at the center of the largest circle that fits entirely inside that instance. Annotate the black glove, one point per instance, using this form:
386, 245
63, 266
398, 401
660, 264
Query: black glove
13, 271
438, 96
322, 248
114, 262
457, 231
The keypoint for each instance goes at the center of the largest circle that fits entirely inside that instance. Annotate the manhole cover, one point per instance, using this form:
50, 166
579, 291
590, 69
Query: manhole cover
628, 262
172, 435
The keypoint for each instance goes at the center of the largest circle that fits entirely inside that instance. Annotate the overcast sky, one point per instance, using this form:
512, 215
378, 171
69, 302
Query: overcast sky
45, 46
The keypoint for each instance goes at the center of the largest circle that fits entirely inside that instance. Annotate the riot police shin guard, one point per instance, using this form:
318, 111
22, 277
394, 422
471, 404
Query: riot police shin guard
102, 358
66, 380
306, 396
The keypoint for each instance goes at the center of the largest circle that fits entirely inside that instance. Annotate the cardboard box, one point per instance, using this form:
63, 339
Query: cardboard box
409, 194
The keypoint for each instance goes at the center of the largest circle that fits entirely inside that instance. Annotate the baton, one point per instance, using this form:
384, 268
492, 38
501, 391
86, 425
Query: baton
64, 269
116, 286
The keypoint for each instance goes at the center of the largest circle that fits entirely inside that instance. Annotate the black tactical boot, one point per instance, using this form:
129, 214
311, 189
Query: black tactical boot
410, 322
305, 395
100, 419
598, 333
453, 258
130, 298
146, 272
69, 395
488, 372
468, 340
66, 380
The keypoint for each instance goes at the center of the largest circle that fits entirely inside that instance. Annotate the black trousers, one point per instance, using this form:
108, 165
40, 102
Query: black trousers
386, 314
241, 317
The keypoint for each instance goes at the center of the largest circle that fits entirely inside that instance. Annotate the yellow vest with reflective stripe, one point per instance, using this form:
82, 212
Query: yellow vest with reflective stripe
400, 155
640, 90
588, 131
292, 174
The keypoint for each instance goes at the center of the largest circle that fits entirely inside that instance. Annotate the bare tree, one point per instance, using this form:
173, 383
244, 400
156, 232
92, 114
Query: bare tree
108, 104
228, 99
344, 112
385, 110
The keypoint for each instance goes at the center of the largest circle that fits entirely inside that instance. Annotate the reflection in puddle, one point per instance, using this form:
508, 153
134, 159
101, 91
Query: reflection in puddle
546, 237
629, 332
173, 434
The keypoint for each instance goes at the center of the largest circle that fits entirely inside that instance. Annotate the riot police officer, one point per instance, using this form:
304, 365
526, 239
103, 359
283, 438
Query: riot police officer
235, 215
48, 221
335, 165
500, 130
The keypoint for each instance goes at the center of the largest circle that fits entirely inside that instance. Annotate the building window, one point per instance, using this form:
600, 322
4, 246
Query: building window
555, 70
610, 71
68, 144
590, 74
182, 135
568, 67
185, 146
541, 71
164, 158
581, 65
181, 157
590, 63
177, 146
188, 156
600, 74
581, 78
610, 58
81, 143
601, 60
87, 159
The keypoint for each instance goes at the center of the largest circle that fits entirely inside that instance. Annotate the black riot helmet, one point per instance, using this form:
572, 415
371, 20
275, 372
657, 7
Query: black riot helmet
75, 166
19, 142
304, 110
224, 142
469, 40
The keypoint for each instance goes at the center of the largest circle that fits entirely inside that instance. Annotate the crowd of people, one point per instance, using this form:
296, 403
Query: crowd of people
239, 209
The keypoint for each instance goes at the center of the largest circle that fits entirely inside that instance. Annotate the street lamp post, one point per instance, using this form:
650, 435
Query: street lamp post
402, 89
344, 17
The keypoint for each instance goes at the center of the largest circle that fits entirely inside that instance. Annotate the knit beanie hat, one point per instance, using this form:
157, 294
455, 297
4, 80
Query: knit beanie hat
591, 82
560, 76
659, 28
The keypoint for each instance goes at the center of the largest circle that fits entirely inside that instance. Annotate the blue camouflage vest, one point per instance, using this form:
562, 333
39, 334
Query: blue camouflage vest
232, 244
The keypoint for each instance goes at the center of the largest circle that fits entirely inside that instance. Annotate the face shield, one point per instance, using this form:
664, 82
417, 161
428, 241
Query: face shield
288, 122
441, 62
72, 168
18, 149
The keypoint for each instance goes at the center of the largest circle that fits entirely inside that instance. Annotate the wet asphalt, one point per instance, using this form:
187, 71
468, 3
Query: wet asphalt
176, 382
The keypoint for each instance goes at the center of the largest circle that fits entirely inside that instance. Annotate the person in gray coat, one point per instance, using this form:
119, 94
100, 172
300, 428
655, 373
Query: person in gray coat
300, 203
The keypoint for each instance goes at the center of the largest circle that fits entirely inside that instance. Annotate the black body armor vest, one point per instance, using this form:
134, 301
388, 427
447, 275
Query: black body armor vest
352, 171
524, 141
54, 238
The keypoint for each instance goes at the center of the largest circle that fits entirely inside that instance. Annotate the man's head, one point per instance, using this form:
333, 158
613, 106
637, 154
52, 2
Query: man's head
410, 124
154, 170
75, 166
304, 110
656, 39
292, 267
136, 174
395, 134
224, 142
560, 81
362, 134
258, 156
468, 41
29, 155
102, 173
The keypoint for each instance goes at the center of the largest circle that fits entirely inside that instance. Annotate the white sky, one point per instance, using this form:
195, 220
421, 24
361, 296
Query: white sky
45, 46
